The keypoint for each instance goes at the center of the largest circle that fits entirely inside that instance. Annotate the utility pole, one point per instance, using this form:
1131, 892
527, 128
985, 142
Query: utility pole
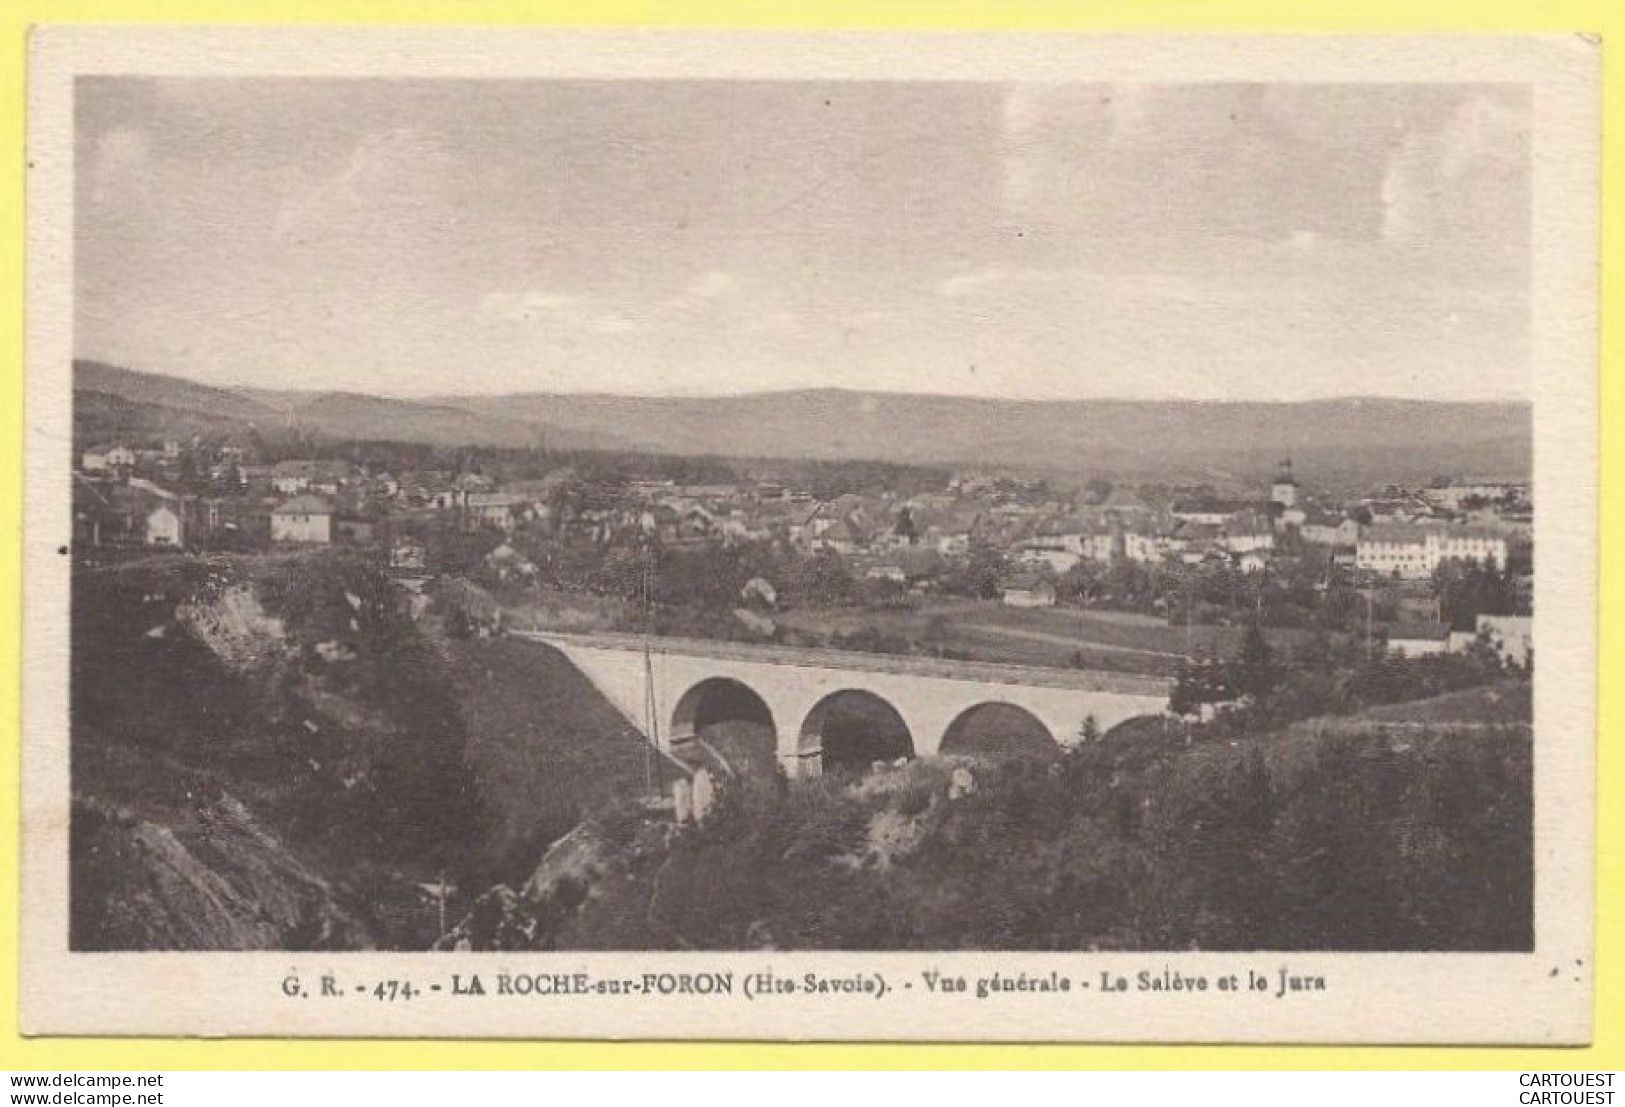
651, 708
440, 898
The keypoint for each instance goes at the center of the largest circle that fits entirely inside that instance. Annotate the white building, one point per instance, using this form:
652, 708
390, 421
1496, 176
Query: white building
304, 519
1395, 550
1028, 591
1284, 489
1206, 512
1252, 561
1511, 636
99, 459
1145, 549
290, 477
1473, 544
163, 526
1419, 640
1330, 530
495, 509
1240, 539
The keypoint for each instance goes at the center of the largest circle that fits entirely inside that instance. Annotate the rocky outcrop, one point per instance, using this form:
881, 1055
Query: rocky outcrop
234, 627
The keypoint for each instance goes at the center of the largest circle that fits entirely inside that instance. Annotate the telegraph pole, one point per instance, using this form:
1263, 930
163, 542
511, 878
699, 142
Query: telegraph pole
651, 771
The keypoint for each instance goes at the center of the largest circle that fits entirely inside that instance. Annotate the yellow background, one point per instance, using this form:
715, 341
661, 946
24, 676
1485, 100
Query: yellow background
1592, 16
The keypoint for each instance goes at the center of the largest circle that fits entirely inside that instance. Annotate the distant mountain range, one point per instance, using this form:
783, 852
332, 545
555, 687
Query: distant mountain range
1340, 440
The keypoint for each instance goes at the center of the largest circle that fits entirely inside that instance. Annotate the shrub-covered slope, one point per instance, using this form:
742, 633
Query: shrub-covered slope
1356, 841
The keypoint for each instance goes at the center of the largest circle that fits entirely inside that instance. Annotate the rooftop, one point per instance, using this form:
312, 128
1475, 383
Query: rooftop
305, 505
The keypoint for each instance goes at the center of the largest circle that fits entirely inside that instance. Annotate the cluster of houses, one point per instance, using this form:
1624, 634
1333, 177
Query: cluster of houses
1394, 534
127, 496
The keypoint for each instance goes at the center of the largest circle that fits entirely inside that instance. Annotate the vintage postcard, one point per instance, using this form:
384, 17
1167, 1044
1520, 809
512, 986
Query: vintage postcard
810, 537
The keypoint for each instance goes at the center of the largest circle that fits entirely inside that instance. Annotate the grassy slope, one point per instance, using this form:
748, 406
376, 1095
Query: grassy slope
546, 748
1507, 702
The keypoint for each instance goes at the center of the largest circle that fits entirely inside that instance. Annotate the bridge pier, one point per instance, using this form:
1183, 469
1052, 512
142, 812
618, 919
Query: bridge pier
802, 765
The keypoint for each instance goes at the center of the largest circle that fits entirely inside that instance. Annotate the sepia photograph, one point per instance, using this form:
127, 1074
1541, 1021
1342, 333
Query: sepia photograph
1068, 513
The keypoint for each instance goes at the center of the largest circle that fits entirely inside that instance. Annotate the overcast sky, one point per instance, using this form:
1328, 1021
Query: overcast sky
1079, 240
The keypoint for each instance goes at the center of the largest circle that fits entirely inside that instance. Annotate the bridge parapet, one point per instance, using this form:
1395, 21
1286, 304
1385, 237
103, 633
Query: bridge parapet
981, 672
685, 681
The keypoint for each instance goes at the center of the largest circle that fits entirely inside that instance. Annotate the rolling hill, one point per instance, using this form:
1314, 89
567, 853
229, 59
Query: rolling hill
111, 401
354, 415
1354, 439
173, 393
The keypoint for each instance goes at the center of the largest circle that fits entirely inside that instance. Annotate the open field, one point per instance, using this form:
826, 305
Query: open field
988, 630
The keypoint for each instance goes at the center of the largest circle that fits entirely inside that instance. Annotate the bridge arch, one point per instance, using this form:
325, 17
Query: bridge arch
1140, 726
999, 728
851, 729
715, 700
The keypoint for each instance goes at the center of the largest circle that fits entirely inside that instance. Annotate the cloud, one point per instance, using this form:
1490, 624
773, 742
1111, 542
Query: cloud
560, 312
611, 322
1461, 180
770, 321
549, 301
1484, 132
1408, 196
122, 157
979, 281
709, 285
1304, 242
392, 182
530, 305
706, 288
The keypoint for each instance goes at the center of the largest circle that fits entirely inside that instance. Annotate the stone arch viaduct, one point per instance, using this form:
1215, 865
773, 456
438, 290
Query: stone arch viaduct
930, 695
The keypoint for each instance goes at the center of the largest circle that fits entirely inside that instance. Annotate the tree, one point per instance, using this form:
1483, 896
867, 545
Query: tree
1200, 681
1079, 583
979, 575
1254, 665
823, 580
1468, 589
985, 571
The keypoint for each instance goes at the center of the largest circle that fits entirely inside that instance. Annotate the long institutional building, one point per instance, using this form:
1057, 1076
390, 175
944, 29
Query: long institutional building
1413, 551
